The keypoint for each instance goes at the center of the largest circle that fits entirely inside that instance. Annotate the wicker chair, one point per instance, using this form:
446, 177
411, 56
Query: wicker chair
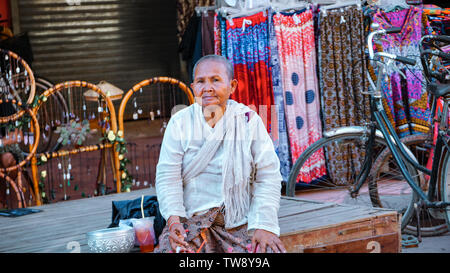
105, 122
33, 128
166, 91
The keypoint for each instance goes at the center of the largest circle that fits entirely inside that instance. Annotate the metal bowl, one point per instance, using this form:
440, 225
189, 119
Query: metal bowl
111, 240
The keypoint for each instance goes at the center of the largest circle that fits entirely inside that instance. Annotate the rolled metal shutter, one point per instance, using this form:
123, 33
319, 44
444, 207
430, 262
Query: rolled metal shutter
120, 41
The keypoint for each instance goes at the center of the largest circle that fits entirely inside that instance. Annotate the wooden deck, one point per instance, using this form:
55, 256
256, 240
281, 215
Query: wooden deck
59, 224
63, 224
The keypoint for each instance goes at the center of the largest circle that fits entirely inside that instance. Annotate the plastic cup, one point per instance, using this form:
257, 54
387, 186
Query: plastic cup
145, 233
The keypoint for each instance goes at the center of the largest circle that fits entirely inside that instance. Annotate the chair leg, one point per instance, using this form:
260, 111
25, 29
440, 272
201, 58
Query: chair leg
34, 176
116, 169
16, 189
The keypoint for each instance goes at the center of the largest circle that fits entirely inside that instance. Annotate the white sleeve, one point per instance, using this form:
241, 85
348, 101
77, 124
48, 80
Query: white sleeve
169, 184
266, 189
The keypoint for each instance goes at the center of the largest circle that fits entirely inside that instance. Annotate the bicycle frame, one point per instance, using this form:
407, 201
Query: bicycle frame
381, 122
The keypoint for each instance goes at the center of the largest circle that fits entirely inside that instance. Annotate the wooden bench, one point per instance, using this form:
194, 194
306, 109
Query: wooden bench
317, 227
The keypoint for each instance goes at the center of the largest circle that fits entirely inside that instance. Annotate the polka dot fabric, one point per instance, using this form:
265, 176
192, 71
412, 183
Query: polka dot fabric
296, 48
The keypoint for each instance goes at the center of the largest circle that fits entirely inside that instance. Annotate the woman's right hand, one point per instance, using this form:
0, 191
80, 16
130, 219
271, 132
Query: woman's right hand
177, 235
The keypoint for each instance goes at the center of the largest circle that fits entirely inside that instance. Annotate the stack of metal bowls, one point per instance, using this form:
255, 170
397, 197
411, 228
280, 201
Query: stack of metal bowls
111, 240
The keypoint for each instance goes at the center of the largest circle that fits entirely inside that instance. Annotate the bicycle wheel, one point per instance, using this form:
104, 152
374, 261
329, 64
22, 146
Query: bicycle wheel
347, 146
389, 189
432, 221
445, 186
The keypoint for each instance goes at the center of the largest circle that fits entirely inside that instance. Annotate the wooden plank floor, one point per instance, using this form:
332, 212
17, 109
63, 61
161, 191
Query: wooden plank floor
59, 224
64, 223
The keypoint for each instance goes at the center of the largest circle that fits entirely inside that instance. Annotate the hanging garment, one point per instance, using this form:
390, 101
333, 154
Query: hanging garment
342, 81
185, 10
208, 33
405, 100
296, 48
281, 142
197, 54
190, 45
247, 44
220, 31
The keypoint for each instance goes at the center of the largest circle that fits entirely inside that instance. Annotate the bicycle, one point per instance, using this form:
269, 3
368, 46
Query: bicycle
432, 221
358, 147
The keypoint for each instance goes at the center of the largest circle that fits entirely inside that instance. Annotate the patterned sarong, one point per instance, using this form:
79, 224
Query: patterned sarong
218, 239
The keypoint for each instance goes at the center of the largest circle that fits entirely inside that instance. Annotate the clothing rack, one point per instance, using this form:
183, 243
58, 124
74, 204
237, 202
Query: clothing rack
231, 13
224, 11
246, 12
204, 10
295, 6
341, 4
322, 2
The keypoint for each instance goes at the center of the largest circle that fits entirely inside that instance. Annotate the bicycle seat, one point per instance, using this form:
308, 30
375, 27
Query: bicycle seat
439, 90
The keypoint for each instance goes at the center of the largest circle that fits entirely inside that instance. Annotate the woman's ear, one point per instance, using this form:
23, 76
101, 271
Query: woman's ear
234, 84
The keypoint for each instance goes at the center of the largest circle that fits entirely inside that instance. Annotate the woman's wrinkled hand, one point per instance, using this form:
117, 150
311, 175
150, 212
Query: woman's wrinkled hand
263, 239
177, 236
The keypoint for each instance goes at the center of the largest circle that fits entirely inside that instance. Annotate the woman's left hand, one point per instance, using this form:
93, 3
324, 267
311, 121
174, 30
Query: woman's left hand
264, 239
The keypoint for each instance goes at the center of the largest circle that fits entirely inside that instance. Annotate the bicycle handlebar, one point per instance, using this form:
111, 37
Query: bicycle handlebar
443, 38
393, 30
435, 52
370, 37
440, 38
405, 60
401, 59
438, 53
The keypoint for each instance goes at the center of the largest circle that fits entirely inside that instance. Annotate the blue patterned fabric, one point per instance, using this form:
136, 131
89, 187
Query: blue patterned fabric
282, 143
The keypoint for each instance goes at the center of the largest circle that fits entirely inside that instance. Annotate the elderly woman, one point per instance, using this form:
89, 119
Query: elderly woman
218, 181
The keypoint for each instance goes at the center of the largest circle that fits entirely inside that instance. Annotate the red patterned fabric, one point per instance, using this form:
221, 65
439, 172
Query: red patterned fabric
296, 49
247, 47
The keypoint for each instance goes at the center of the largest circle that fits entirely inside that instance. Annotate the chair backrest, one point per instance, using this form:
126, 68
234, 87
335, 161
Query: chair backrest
25, 122
52, 110
164, 94
17, 80
161, 95
82, 126
99, 112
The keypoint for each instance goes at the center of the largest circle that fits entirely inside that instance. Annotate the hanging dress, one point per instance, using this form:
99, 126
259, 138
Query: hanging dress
343, 80
281, 143
247, 44
296, 49
405, 100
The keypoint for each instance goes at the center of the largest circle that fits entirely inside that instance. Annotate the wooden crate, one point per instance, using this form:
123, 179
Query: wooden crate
317, 227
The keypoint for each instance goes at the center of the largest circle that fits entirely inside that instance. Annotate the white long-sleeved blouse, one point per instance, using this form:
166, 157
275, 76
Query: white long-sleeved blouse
184, 136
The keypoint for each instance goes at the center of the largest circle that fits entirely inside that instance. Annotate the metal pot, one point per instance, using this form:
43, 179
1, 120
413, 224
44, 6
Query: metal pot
111, 240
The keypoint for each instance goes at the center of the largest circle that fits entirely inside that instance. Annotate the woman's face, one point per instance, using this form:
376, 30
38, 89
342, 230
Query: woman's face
212, 85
